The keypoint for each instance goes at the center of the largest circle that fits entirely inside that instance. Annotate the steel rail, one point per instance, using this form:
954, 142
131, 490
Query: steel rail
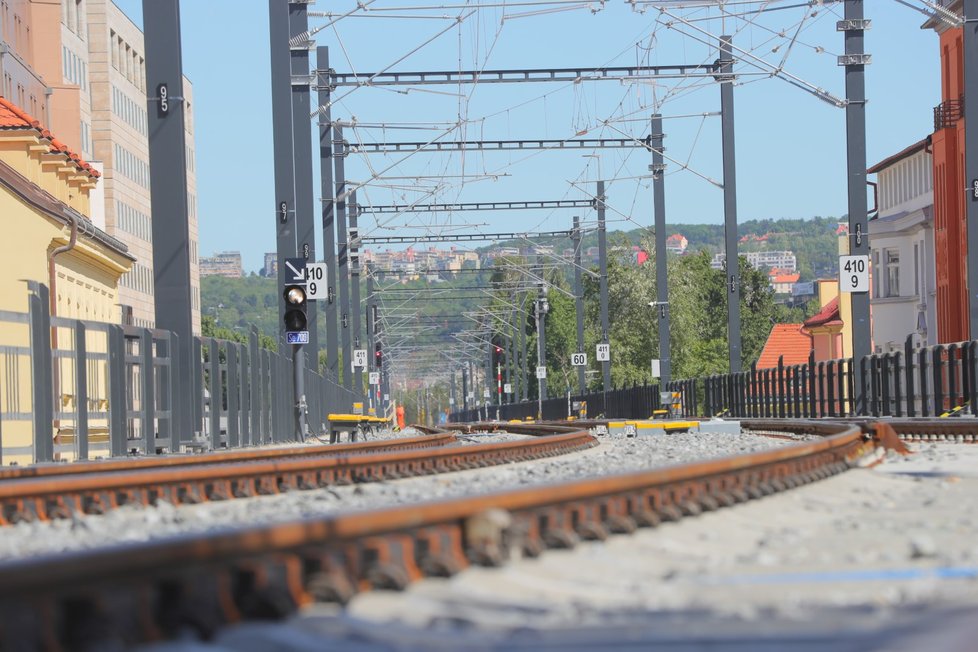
31, 499
223, 457
129, 594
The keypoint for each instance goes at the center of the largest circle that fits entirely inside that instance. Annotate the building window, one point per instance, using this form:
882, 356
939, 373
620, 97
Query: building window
916, 269
891, 261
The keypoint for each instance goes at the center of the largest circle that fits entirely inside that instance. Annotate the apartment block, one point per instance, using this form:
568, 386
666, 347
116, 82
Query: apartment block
227, 264
89, 62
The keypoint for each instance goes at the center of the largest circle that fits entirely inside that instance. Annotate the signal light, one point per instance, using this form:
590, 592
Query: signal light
295, 308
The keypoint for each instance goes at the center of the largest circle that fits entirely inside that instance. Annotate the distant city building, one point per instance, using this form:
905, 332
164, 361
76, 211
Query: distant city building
783, 260
270, 268
677, 243
415, 262
782, 280
227, 263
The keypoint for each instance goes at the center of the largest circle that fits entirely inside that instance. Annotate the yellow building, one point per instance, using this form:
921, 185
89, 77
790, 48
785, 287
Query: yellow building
47, 237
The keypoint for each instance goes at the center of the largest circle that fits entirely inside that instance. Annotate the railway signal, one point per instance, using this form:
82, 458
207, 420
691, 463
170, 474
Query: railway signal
296, 303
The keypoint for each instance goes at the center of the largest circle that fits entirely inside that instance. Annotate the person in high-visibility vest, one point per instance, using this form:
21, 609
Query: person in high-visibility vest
400, 417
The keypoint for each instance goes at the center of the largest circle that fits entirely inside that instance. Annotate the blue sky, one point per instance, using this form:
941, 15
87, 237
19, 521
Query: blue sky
790, 145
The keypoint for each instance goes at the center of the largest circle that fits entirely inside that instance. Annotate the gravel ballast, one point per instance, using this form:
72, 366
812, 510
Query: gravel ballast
615, 454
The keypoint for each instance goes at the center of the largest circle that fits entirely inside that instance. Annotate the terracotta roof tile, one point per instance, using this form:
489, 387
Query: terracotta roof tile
829, 314
787, 340
13, 117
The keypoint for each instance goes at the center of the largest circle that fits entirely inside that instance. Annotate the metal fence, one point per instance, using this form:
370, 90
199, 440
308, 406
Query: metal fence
635, 402
78, 389
916, 382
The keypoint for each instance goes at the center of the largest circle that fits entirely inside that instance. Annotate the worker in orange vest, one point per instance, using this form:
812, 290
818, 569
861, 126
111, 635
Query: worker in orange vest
400, 417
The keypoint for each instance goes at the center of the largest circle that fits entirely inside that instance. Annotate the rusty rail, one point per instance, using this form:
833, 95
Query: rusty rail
221, 457
152, 590
32, 499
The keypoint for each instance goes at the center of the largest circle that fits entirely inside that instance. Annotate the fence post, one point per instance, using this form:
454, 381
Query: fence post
234, 393
937, 368
41, 370
922, 370
885, 385
247, 380
255, 385
117, 391
147, 420
952, 372
197, 378
172, 352
81, 390
216, 394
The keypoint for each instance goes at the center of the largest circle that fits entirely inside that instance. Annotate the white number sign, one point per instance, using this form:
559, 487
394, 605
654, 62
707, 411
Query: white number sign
360, 358
485, 393
316, 283
508, 388
603, 352
578, 359
854, 273
541, 372
374, 377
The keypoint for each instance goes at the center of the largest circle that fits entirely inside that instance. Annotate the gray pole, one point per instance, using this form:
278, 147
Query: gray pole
299, 382
856, 164
355, 309
465, 389
343, 275
579, 301
971, 154
525, 357
541, 355
326, 191
511, 357
603, 270
730, 203
285, 213
302, 154
371, 362
168, 194
661, 268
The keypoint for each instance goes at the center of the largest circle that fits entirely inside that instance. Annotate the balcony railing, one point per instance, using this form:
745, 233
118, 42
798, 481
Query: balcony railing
947, 113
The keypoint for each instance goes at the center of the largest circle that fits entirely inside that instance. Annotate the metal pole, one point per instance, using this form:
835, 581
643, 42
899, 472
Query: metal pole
302, 154
298, 378
326, 191
579, 301
285, 213
168, 194
355, 308
855, 60
343, 278
603, 271
971, 155
465, 389
661, 268
511, 356
730, 203
541, 356
371, 362
524, 357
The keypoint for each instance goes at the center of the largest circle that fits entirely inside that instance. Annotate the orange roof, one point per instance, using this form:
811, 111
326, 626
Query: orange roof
13, 117
785, 278
787, 340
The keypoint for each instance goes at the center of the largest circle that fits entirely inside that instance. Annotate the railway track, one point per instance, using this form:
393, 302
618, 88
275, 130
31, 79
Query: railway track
252, 473
148, 591
960, 430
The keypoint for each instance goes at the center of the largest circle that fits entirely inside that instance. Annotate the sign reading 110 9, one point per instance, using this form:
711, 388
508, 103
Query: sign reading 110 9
854, 273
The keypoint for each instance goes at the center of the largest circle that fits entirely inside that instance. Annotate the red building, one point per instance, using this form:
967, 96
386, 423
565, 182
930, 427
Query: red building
950, 216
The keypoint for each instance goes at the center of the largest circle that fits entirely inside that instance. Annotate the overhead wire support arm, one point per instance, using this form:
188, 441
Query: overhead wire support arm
468, 237
532, 75
496, 145
478, 206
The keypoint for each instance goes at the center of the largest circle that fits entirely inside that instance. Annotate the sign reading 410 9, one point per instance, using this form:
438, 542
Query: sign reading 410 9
854, 273
316, 283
